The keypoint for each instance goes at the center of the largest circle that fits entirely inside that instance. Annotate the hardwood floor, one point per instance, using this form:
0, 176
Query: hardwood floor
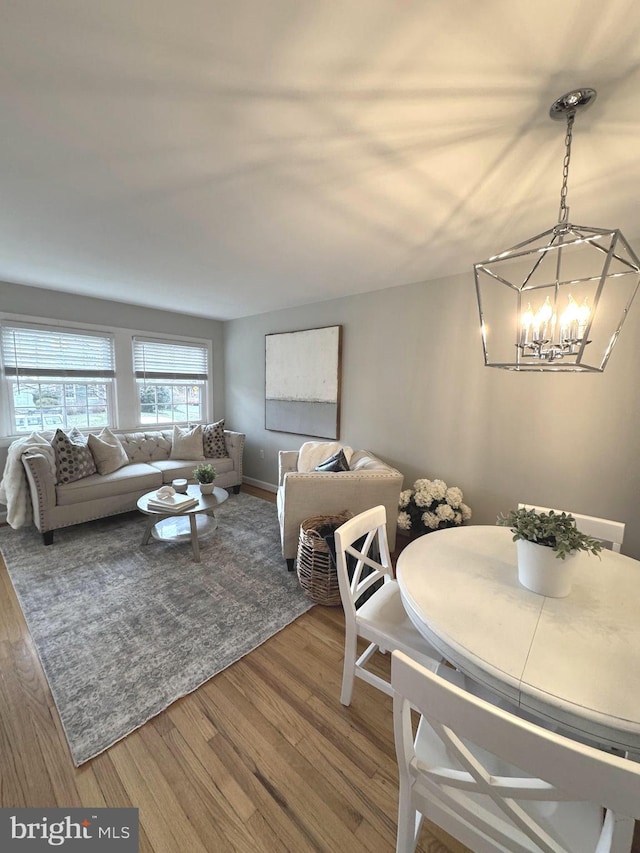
261, 758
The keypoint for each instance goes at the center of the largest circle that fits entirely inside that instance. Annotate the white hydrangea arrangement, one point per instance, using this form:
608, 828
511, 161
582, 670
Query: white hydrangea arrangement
431, 505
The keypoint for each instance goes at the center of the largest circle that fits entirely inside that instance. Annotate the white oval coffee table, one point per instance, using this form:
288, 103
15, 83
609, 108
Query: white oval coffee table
189, 524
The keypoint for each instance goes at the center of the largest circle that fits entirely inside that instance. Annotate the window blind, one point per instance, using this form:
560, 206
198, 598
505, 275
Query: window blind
161, 360
51, 352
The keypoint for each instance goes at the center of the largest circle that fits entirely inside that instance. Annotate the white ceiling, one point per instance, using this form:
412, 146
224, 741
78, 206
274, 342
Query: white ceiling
229, 158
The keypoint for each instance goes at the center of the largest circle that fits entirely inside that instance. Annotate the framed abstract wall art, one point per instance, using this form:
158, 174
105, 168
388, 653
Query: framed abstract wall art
302, 381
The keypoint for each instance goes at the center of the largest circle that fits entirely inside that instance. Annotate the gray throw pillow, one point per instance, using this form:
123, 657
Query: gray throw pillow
74, 460
337, 462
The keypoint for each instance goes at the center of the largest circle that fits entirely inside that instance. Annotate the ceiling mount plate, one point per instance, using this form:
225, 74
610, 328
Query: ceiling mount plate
569, 104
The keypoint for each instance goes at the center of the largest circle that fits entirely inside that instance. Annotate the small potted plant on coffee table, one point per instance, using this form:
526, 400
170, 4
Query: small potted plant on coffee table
547, 542
205, 474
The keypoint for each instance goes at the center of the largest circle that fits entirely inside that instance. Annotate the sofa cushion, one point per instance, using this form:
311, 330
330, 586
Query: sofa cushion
146, 446
172, 468
336, 462
74, 460
362, 460
107, 451
137, 477
187, 443
213, 440
312, 453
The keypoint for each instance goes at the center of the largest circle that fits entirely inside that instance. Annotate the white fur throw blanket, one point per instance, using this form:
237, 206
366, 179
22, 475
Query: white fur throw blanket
14, 487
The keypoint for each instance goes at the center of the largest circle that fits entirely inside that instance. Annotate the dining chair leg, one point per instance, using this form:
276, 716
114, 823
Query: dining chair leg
349, 668
622, 834
409, 825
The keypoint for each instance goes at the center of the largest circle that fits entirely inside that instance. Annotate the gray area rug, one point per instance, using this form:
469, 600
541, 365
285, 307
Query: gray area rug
123, 630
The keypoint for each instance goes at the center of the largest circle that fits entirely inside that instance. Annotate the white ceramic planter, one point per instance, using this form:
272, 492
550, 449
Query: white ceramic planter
541, 571
207, 488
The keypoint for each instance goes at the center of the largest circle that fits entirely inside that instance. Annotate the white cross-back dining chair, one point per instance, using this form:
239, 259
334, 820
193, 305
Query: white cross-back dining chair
599, 528
499, 783
381, 618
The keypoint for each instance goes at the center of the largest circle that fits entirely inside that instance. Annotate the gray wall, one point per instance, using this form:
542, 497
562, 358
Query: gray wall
415, 391
38, 302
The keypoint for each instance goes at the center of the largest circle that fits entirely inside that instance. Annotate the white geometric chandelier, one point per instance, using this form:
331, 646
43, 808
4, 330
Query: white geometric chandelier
557, 301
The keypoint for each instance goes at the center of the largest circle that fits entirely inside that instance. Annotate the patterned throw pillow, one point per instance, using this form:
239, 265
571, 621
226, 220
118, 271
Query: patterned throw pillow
215, 446
74, 460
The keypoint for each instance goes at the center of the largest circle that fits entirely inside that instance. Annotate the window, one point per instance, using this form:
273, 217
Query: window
65, 375
57, 378
171, 379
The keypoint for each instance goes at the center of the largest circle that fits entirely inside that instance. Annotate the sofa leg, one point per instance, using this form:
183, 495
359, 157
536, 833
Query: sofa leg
236, 489
47, 537
290, 564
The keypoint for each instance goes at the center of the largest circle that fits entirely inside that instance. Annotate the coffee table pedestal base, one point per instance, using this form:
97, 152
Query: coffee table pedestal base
181, 529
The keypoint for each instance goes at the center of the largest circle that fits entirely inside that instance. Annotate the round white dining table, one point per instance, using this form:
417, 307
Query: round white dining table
574, 661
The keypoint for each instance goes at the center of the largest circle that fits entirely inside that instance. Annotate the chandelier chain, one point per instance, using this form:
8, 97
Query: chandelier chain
563, 214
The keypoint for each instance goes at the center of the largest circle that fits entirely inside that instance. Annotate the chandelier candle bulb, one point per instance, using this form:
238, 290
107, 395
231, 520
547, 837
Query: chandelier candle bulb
569, 328
542, 321
584, 314
526, 326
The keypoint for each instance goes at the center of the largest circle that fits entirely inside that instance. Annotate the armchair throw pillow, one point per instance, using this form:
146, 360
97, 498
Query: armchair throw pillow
313, 453
336, 462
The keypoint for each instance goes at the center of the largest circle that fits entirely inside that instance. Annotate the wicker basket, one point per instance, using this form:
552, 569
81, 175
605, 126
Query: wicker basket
316, 570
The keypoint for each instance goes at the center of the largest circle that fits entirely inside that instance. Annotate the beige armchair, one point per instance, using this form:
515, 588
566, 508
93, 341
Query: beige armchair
369, 483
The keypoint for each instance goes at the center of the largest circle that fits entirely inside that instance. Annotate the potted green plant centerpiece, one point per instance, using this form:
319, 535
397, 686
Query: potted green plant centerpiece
547, 542
205, 474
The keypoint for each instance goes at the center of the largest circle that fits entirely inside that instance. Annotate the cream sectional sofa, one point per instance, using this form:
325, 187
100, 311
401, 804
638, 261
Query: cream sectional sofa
150, 466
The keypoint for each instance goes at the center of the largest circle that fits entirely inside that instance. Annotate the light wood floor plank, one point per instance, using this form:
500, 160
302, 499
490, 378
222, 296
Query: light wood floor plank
89, 789
295, 782
161, 816
272, 815
21, 743
203, 808
212, 778
191, 719
109, 781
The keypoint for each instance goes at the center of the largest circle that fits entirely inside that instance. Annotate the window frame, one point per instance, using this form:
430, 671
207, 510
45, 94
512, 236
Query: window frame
166, 371
125, 414
64, 365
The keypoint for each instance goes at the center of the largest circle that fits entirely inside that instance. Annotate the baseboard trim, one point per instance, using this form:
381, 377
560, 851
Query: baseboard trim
260, 484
